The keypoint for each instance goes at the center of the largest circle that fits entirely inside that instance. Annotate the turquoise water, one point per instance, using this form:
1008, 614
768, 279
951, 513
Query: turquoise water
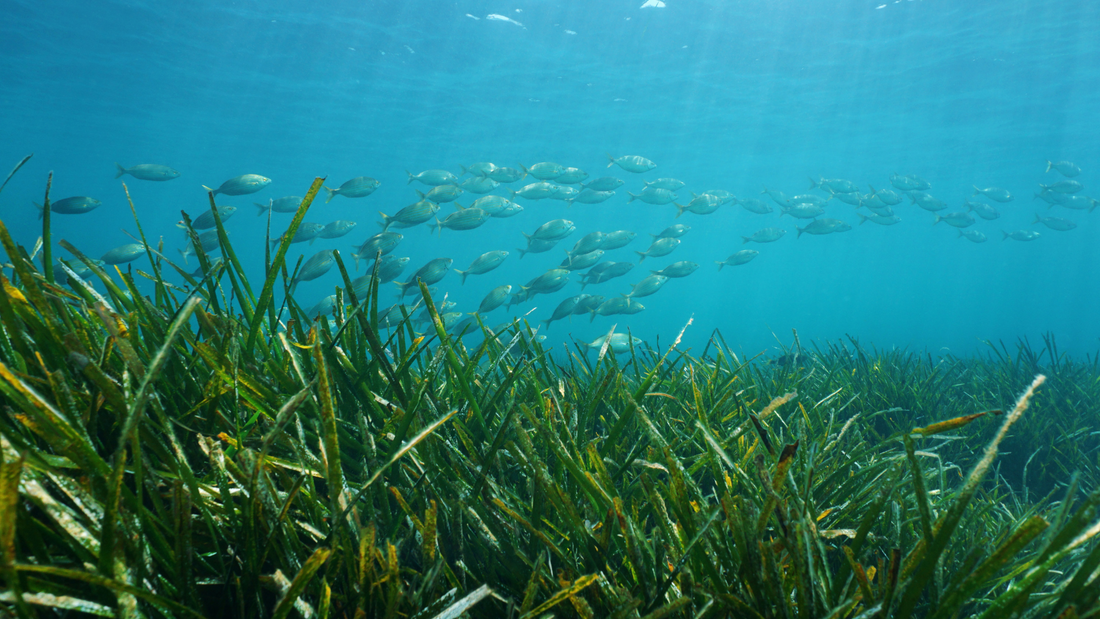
721, 95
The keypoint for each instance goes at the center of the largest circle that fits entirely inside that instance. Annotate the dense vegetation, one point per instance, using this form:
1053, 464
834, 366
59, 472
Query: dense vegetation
202, 451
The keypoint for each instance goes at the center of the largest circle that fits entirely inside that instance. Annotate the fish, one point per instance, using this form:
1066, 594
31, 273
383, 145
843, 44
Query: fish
671, 184
124, 253
1077, 203
973, 235
1020, 235
553, 230
564, 193
496, 297
307, 231
588, 303
76, 205
544, 171
617, 239
576, 262
755, 205
724, 196
909, 183
881, 210
479, 184
464, 219
605, 271
425, 315
803, 211
674, 231
324, 307
926, 201
484, 263
961, 219
552, 280
571, 176
409, 216
650, 285
206, 219
430, 273
834, 185
535, 191
887, 196
537, 246
702, 204
483, 168
564, 309
659, 247
1065, 168
1055, 223
982, 210
777, 196
738, 258
807, 198
632, 163
604, 183
882, 220
825, 225
994, 193
384, 242
617, 305
765, 235
433, 178
241, 185
317, 265
490, 204
854, 198
359, 187
441, 194
336, 229
147, 172
589, 196
621, 342
682, 268
389, 267
588, 243
289, 204
1063, 187
214, 264
509, 210
506, 175
208, 241
649, 195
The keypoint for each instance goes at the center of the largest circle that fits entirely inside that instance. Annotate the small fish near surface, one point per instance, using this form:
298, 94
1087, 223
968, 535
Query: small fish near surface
632, 163
765, 235
982, 210
76, 205
605, 271
604, 183
317, 265
484, 263
650, 195
659, 247
1063, 187
433, 178
1020, 235
674, 231
738, 258
479, 185
617, 305
994, 193
834, 185
576, 262
412, 215
147, 172
590, 196
535, 191
961, 219
241, 185
825, 225
682, 268
588, 243
442, 194
358, 187
545, 171
882, 220
537, 246
702, 204
909, 183
506, 175
926, 201
571, 176
465, 219
384, 242
1065, 168
553, 230
671, 184
650, 285
496, 297
974, 236
755, 205
617, 239
288, 204
1055, 223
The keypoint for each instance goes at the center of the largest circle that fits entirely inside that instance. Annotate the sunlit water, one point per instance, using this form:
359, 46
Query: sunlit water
722, 95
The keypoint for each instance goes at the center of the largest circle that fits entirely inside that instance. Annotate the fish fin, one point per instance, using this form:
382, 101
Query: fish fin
642, 254
862, 218
1049, 165
184, 254
522, 252
463, 274
385, 223
799, 231
460, 207
40, 208
747, 239
611, 159
976, 191
813, 183
873, 190
632, 197
960, 233
464, 169
1005, 235
411, 177
513, 194
720, 264
261, 208
331, 194
215, 191
1037, 219
938, 219
122, 170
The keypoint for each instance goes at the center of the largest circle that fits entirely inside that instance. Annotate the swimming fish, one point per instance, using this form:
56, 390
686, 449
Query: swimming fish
553, 230
571, 176
973, 235
576, 262
650, 195
496, 297
124, 253
648, 286
479, 184
982, 210
317, 265
1063, 187
564, 309
825, 225
409, 216
589, 196
755, 205
604, 183
441, 194
674, 231
206, 219
430, 273
484, 263
659, 247
632, 163
994, 193
148, 172
241, 185
958, 220
1020, 235
464, 219
765, 235
617, 239
670, 184
1066, 168
75, 205
1055, 223
588, 243
336, 229
433, 178
545, 171
683, 268
535, 191
738, 258
384, 242
289, 204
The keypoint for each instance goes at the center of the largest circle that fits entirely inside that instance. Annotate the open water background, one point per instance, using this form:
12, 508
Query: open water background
720, 94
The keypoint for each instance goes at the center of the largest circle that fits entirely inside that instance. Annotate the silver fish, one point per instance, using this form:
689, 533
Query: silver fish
479, 184
484, 263
1020, 235
738, 258
834, 185
545, 171
909, 183
564, 309
506, 175
553, 230
571, 176
670, 184
590, 196
147, 172
803, 211
588, 303
674, 231
588, 243
206, 219
336, 229
537, 246
383, 242
882, 220
442, 194
465, 219
1055, 223
682, 268
620, 342
926, 201
576, 262
1066, 168
617, 239
508, 210
535, 191
648, 286
483, 168
433, 178
358, 187
659, 247
825, 225
765, 235
75, 205
651, 195
1063, 187
430, 273
324, 307
755, 205
961, 219
604, 183
632, 163
887, 196
994, 193
307, 231
491, 204
617, 305
973, 236
496, 297
124, 253
289, 204
982, 210
241, 185
702, 204
317, 265
412, 215
777, 196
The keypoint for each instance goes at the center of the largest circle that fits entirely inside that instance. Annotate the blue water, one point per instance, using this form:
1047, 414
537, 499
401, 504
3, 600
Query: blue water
720, 94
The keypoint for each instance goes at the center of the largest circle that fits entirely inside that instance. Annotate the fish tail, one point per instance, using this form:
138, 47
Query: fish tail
513, 191
1049, 165
463, 173
813, 183
411, 177
385, 223
184, 254
1037, 219
747, 239
938, 219
642, 254
1005, 235
611, 160
261, 208
632, 197
122, 170
547, 321
1095, 202
960, 234
463, 274
799, 231
976, 191
522, 252
331, 194
863, 218
215, 191
873, 190
679, 209
720, 264
41, 209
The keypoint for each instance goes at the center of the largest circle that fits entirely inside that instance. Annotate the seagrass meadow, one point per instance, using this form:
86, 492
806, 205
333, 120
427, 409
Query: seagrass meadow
208, 451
